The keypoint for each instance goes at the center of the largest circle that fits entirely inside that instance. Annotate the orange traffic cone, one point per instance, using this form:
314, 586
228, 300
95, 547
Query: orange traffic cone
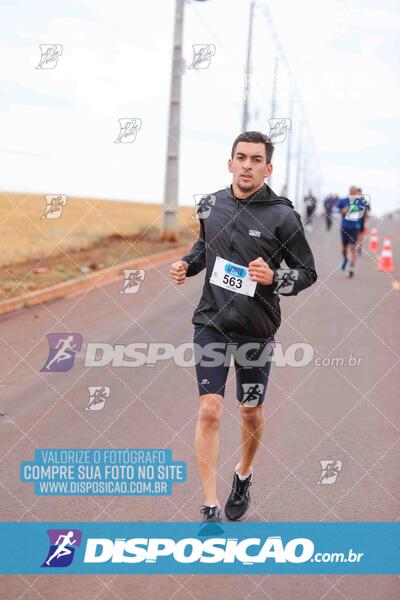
373, 242
386, 257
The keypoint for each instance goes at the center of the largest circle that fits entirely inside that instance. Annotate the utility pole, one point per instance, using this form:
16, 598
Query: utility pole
170, 225
289, 146
304, 175
274, 87
245, 115
274, 95
298, 169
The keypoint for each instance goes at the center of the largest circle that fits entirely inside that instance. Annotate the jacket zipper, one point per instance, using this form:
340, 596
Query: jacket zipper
232, 250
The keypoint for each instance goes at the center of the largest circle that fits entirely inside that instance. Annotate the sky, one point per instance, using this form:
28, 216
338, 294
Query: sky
59, 126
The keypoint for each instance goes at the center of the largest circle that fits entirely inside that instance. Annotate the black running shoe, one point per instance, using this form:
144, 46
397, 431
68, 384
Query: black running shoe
351, 272
239, 499
211, 514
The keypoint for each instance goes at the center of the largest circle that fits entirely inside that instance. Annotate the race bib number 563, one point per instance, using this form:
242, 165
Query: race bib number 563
232, 277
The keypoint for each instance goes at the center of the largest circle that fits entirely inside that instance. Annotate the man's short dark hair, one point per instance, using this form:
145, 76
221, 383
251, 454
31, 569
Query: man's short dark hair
256, 137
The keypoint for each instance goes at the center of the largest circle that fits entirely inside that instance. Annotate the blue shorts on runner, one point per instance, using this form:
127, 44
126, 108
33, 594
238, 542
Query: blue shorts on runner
349, 236
252, 364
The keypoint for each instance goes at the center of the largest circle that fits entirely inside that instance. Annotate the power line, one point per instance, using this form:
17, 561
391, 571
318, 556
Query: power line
294, 93
279, 47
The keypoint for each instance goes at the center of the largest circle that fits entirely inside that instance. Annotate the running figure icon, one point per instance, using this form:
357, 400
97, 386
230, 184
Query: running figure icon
132, 281
63, 346
62, 549
253, 394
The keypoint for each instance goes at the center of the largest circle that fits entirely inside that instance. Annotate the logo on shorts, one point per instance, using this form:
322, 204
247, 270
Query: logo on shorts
63, 543
252, 393
329, 471
63, 347
254, 233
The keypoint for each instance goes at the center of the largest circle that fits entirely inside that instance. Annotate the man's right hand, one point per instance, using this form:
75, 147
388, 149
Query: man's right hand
178, 271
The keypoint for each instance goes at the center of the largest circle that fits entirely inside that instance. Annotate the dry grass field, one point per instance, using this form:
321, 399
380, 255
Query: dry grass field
25, 235
89, 235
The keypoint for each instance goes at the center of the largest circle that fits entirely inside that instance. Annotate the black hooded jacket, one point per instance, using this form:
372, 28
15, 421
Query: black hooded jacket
240, 231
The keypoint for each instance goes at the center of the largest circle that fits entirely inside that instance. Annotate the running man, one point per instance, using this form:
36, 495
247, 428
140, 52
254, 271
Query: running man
353, 208
248, 233
62, 549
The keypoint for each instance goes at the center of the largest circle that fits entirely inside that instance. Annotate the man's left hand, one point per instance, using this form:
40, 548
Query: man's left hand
260, 272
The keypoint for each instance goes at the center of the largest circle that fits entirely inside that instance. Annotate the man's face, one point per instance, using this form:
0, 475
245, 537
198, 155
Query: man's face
249, 166
353, 191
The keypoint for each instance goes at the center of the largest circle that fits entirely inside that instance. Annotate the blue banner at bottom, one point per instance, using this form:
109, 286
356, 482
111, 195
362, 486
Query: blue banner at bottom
226, 548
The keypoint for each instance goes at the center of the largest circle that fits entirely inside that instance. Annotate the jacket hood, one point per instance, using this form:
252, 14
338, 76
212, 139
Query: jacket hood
265, 195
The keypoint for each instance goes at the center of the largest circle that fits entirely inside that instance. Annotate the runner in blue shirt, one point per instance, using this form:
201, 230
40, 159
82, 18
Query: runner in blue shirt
365, 216
353, 208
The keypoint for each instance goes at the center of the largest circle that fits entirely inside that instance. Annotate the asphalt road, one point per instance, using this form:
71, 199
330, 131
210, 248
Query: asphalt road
312, 413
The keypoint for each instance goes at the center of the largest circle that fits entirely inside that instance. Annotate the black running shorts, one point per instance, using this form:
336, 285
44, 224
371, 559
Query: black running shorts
213, 350
349, 236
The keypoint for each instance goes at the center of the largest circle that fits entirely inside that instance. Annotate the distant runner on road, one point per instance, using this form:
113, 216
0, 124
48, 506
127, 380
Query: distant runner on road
310, 204
329, 204
353, 209
247, 234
